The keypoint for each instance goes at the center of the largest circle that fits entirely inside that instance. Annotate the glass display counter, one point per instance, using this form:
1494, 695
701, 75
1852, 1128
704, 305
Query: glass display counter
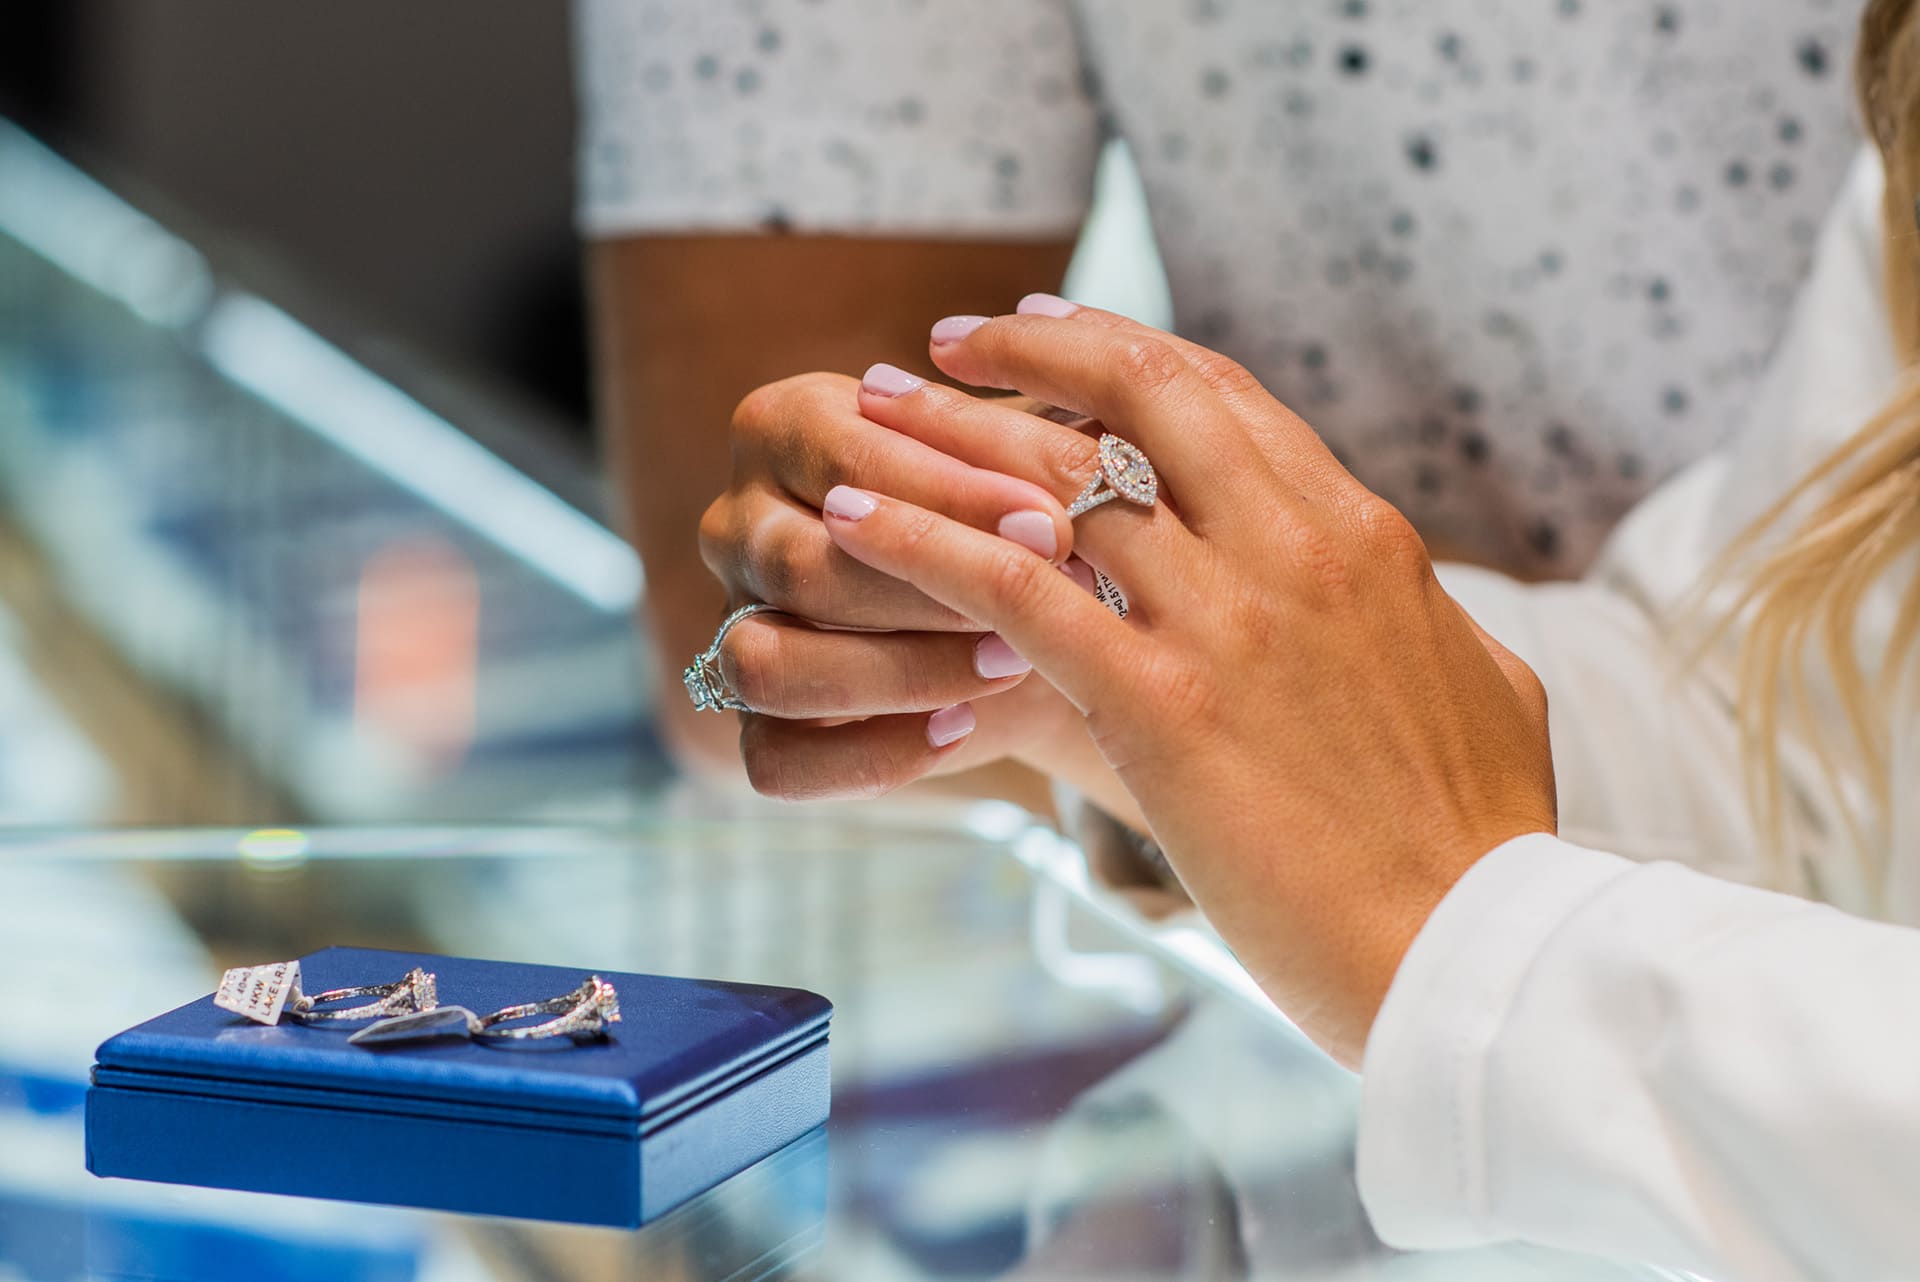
1023, 1085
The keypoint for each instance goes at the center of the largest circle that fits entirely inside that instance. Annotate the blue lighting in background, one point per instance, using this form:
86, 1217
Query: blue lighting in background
85, 230
318, 386
88, 232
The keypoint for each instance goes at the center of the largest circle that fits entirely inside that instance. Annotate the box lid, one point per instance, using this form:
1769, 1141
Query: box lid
679, 1042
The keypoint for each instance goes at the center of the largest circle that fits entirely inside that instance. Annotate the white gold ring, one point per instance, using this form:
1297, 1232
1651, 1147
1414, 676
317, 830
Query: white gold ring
705, 683
584, 1012
1124, 473
266, 994
581, 1015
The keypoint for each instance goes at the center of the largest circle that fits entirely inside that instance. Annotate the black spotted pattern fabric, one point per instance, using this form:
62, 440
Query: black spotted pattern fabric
1516, 260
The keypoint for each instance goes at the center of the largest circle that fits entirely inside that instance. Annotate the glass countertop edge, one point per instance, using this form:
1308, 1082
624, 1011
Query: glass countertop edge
1182, 942
434, 839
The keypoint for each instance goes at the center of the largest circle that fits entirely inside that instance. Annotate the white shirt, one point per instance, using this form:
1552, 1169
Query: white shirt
1517, 260
1586, 1050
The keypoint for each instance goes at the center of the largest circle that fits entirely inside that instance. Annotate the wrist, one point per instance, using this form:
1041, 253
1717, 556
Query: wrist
1327, 939
1399, 920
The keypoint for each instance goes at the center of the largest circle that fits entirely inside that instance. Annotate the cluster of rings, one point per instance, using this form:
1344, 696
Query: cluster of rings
409, 1008
581, 1014
1121, 472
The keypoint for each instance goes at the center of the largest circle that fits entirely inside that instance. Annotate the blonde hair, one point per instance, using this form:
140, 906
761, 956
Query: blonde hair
1805, 581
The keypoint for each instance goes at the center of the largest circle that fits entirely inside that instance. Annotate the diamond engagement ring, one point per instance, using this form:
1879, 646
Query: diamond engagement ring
1124, 473
584, 1012
581, 1014
265, 994
706, 686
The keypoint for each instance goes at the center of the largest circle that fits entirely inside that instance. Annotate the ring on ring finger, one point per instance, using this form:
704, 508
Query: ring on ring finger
1123, 473
706, 685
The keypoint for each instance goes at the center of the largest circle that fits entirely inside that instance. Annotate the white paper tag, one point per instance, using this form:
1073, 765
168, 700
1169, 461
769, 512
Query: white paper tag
1108, 593
258, 992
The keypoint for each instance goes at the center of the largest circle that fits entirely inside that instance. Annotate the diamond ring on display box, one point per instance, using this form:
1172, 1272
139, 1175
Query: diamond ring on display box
700, 1080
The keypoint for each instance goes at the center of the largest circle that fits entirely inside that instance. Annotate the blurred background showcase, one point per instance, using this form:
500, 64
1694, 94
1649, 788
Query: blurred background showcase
299, 519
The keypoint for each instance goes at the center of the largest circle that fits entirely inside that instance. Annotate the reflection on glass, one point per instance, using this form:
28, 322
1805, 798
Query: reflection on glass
989, 1120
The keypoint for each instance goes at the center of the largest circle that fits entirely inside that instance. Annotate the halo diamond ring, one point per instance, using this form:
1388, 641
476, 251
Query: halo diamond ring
706, 684
266, 994
1124, 473
581, 1015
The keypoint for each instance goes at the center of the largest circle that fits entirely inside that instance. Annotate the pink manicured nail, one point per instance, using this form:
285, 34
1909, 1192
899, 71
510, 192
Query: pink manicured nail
955, 328
1031, 530
1079, 571
849, 504
993, 658
889, 380
1046, 305
950, 725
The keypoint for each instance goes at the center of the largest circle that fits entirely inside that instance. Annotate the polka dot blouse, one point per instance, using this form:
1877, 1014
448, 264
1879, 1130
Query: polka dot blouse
1516, 260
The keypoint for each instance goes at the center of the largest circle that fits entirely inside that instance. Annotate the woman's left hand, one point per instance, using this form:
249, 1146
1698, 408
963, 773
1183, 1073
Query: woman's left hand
1321, 738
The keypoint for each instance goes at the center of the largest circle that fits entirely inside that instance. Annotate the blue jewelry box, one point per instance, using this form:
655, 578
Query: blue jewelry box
701, 1079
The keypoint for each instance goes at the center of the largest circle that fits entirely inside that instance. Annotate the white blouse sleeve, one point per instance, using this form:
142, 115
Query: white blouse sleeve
1615, 1053
878, 116
1642, 1061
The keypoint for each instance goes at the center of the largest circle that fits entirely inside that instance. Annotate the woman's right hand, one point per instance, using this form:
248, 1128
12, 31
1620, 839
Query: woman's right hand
917, 690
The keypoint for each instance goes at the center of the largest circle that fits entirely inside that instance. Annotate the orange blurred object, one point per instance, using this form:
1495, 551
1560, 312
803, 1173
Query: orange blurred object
416, 649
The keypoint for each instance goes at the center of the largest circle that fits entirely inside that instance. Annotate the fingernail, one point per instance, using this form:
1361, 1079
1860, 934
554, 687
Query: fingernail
1031, 530
950, 725
889, 380
850, 504
1079, 571
955, 328
1046, 305
993, 658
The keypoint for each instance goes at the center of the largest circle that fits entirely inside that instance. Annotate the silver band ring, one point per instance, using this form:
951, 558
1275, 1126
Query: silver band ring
705, 683
1124, 473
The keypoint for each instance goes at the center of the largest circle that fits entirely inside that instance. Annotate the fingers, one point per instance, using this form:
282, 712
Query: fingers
796, 761
803, 761
988, 434
1135, 382
1227, 377
1070, 639
1120, 538
768, 547
808, 434
1306, 457
783, 668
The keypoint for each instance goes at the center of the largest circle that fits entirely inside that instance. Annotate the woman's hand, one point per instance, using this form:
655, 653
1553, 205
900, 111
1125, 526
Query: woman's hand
921, 690
1321, 738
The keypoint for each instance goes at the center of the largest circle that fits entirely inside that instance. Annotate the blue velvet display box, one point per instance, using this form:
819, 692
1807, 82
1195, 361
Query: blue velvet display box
700, 1079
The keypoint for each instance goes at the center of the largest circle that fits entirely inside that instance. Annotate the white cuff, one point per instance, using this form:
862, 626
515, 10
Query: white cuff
1422, 1147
